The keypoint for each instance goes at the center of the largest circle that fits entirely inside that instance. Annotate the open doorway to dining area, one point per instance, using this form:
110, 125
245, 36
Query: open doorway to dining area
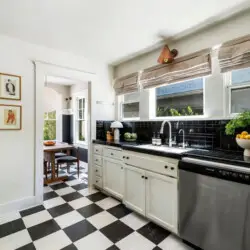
65, 135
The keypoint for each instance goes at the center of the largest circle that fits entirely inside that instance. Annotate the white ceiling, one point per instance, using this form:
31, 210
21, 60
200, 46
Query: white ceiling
106, 29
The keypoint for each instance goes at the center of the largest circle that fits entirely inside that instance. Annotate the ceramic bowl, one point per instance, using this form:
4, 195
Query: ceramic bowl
245, 144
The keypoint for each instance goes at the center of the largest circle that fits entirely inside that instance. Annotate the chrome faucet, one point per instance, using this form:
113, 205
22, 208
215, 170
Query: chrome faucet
170, 131
183, 138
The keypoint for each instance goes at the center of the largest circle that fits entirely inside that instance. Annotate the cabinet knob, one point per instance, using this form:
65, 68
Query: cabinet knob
172, 168
96, 170
146, 177
121, 167
143, 177
112, 154
127, 157
96, 150
124, 157
166, 166
96, 160
96, 181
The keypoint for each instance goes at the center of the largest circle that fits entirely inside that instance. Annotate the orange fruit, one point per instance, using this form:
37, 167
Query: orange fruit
238, 136
247, 137
242, 136
244, 133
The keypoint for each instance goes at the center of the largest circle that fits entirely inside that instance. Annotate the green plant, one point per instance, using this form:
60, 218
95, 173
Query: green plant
240, 121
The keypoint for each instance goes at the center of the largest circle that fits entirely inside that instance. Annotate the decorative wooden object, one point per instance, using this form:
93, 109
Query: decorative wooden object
167, 56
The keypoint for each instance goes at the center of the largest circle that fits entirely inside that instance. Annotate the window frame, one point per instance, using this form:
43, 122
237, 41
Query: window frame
77, 120
188, 117
51, 119
122, 102
229, 87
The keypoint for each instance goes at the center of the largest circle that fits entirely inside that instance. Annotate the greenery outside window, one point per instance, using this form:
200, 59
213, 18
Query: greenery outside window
180, 99
238, 82
49, 129
81, 120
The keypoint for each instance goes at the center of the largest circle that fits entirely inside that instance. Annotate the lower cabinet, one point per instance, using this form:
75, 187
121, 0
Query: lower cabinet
152, 195
161, 200
113, 181
134, 189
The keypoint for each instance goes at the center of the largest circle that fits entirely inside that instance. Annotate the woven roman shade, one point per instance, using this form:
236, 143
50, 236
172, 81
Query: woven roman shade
126, 84
235, 54
184, 68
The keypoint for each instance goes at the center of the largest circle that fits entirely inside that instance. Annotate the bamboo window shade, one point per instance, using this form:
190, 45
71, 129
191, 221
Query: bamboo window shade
184, 68
126, 84
235, 54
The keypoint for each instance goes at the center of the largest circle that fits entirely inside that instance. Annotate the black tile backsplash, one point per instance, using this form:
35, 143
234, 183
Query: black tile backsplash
207, 134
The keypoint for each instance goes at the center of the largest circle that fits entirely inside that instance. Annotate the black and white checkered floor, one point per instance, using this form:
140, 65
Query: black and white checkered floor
75, 217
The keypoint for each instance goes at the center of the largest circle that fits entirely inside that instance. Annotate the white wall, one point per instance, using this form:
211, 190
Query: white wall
230, 29
208, 38
17, 165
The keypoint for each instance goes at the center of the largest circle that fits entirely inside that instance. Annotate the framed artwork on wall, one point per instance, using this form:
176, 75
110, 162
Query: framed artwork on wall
10, 117
10, 87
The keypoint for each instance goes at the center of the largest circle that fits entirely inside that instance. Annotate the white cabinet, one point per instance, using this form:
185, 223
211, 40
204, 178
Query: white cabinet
152, 195
113, 181
161, 200
134, 189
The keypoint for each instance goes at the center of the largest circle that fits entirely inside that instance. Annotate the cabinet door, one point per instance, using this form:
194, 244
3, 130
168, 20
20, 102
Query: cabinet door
113, 177
161, 200
134, 189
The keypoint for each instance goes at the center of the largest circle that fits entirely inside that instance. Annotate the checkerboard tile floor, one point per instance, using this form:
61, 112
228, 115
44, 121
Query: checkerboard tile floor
75, 217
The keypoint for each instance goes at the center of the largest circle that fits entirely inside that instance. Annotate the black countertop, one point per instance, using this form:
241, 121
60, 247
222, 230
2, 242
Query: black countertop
131, 146
227, 157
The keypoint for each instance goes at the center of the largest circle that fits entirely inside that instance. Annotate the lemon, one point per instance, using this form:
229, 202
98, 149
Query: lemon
238, 136
242, 136
244, 133
247, 137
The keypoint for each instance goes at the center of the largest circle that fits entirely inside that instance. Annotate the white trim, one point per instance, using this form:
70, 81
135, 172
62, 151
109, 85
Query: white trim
41, 70
18, 205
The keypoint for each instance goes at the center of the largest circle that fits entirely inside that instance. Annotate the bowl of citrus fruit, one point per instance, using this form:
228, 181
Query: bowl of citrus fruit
243, 140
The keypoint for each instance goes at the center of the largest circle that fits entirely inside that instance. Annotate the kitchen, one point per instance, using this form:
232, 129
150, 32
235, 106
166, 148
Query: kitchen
168, 125
173, 163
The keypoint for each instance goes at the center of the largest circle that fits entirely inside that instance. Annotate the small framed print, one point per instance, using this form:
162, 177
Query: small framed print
10, 117
10, 87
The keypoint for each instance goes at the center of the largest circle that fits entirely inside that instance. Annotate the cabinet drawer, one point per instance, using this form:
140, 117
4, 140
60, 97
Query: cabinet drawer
98, 181
157, 164
97, 149
97, 160
112, 153
98, 170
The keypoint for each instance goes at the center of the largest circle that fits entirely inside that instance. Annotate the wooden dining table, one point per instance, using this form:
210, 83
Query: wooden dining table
49, 156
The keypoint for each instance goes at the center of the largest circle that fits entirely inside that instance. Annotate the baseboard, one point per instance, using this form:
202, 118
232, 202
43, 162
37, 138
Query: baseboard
18, 205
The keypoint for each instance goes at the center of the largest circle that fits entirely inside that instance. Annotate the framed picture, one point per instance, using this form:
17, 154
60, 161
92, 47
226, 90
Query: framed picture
10, 87
10, 117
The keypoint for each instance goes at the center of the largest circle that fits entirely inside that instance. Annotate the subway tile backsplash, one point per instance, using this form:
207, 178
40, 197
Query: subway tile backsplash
205, 134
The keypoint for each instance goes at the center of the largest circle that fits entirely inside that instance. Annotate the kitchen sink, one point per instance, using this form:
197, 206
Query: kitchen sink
165, 148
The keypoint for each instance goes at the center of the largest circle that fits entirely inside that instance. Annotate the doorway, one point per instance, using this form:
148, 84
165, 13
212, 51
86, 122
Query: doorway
63, 116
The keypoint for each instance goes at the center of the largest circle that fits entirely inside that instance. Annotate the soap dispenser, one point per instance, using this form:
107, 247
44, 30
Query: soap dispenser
158, 140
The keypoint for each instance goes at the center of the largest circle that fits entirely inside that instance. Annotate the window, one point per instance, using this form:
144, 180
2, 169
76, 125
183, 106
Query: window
180, 99
130, 105
239, 90
81, 120
49, 129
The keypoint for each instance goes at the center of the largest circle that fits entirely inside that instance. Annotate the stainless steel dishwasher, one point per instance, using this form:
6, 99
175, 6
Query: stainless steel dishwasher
214, 204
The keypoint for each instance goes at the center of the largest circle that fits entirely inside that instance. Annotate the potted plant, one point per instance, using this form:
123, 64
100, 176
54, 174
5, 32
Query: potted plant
241, 121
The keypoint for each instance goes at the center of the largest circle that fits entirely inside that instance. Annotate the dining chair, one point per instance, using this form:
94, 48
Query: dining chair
68, 159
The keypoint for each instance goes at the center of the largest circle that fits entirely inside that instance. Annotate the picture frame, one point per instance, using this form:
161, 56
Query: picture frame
10, 87
10, 117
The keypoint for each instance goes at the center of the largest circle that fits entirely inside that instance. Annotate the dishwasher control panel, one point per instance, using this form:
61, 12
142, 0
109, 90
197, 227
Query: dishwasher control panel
217, 170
